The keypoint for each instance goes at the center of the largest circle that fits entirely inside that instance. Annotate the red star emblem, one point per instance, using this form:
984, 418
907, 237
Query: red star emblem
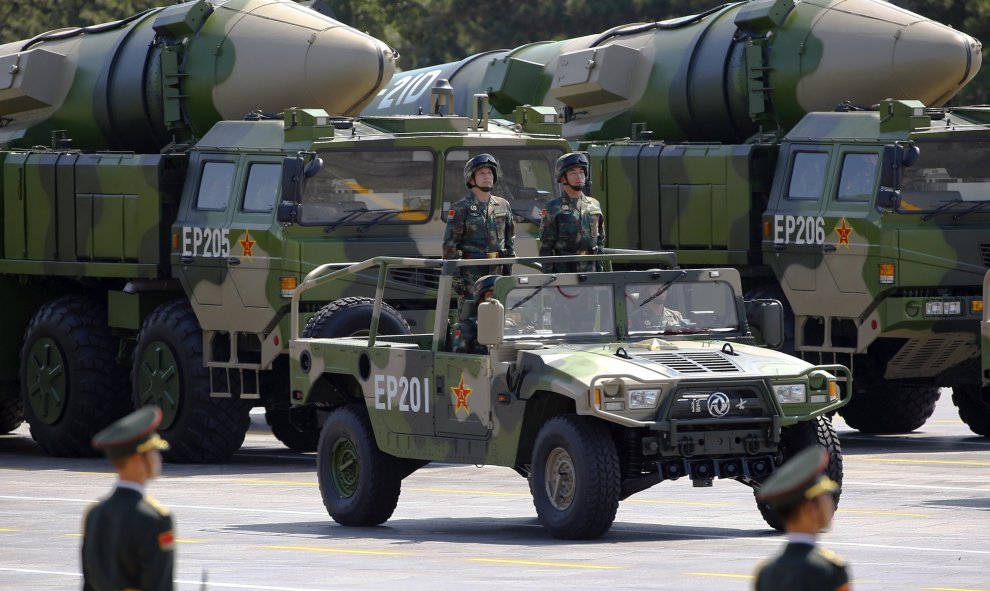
462, 394
247, 244
843, 231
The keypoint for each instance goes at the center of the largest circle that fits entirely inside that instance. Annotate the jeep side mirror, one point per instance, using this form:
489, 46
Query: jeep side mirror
491, 323
767, 317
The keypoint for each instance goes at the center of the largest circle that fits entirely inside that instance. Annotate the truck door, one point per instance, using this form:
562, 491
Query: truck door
252, 290
794, 231
202, 242
463, 395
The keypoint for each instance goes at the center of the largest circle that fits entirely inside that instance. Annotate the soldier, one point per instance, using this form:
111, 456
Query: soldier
480, 225
466, 331
572, 223
128, 540
801, 495
649, 312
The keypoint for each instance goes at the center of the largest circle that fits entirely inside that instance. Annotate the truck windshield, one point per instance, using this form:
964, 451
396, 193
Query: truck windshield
684, 307
562, 311
525, 177
948, 177
370, 186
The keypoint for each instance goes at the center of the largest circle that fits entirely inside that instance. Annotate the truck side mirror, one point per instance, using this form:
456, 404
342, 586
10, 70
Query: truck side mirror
767, 317
289, 212
293, 172
491, 323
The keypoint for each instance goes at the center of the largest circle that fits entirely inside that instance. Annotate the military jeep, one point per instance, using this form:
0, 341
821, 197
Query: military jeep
586, 387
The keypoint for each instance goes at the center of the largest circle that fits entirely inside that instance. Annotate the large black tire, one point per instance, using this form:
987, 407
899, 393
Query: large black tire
168, 371
352, 317
972, 410
11, 407
795, 438
893, 408
283, 421
575, 478
359, 483
71, 383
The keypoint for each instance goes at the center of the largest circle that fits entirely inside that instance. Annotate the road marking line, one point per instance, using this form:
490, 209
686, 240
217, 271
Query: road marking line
538, 563
891, 513
722, 575
940, 462
338, 550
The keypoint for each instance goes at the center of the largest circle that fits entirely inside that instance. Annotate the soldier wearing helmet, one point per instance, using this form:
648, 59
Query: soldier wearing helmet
479, 225
572, 223
466, 331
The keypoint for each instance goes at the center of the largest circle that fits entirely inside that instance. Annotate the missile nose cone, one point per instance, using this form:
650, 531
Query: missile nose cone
864, 51
345, 69
932, 62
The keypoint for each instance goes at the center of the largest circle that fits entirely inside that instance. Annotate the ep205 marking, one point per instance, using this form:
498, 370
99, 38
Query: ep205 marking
406, 394
205, 242
797, 229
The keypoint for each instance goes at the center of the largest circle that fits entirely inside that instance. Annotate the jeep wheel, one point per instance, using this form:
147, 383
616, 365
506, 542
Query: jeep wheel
71, 383
359, 483
795, 438
575, 478
11, 407
168, 371
350, 317
891, 408
972, 410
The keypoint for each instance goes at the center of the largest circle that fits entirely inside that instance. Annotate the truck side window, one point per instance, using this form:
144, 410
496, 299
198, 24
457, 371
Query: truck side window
262, 187
808, 176
856, 181
215, 185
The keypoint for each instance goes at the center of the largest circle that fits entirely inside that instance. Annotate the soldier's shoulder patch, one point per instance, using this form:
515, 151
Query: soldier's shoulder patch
451, 212
543, 212
161, 509
830, 556
166, 540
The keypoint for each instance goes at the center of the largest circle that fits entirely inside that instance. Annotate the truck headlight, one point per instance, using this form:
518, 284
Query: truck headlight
643, 398
791, 393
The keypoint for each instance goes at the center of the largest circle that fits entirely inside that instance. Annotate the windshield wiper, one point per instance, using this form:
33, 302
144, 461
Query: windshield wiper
536, 290
663, 287
977, 207
351, 214
383, 214
945, 207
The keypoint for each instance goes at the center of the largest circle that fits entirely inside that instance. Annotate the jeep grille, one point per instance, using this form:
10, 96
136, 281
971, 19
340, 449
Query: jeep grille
694, 362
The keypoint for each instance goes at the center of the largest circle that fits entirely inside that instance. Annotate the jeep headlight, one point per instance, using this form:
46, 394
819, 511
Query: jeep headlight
791, 393
643, 398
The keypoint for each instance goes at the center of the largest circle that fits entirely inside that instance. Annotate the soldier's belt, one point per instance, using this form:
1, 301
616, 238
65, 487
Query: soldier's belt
481, 255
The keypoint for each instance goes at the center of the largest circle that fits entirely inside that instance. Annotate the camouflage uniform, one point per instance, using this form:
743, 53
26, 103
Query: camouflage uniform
572, 226
478, 231
644, 319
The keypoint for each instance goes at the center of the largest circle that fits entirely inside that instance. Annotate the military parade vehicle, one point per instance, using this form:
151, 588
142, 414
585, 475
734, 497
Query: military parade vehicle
869, 223
135, 272
585, 386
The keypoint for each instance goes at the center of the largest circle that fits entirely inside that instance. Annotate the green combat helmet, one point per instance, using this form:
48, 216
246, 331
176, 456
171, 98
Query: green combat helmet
569, 161
135, 433
800, 479
480, 161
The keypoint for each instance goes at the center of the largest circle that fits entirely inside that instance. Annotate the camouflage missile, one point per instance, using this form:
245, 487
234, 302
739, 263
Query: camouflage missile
170, 73
723, 75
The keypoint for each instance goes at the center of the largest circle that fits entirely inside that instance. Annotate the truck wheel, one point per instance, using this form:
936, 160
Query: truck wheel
893, 408
575, 478
71, 383
359, 483
350, 317
972, 409
797, 437
11, 407
168, 371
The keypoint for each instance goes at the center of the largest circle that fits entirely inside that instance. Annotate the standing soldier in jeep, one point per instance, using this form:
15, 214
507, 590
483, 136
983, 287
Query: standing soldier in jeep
572, 223
480, 225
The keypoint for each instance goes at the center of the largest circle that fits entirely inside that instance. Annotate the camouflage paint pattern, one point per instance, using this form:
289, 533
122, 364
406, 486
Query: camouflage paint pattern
169, 74
478, 230
430, 404
722, 75
572, 226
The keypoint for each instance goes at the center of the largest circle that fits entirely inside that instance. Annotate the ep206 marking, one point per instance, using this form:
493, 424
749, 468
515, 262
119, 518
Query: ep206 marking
797, 229
406, 394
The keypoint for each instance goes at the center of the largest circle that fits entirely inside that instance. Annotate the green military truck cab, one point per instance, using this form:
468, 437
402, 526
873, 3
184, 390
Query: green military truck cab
586, 387
870, 225
131, 279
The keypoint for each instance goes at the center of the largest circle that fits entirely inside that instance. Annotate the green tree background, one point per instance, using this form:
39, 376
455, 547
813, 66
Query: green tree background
427, 32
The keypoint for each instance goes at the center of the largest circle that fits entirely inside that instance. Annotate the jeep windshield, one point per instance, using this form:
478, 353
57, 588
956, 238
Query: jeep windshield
587, 312
948, 178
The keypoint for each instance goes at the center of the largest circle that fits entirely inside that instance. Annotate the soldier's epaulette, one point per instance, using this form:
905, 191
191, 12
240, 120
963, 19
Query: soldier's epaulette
162, 509
830, 556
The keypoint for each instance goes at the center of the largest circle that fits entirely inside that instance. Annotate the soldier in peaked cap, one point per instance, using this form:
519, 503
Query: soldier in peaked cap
801, 494
128, 538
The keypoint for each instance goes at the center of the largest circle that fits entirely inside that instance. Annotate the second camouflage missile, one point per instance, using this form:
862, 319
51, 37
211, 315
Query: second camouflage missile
170, 73
722, 75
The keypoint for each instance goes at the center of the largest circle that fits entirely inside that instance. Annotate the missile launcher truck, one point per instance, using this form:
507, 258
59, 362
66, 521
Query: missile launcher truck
869, 223
593, 386
148, 251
